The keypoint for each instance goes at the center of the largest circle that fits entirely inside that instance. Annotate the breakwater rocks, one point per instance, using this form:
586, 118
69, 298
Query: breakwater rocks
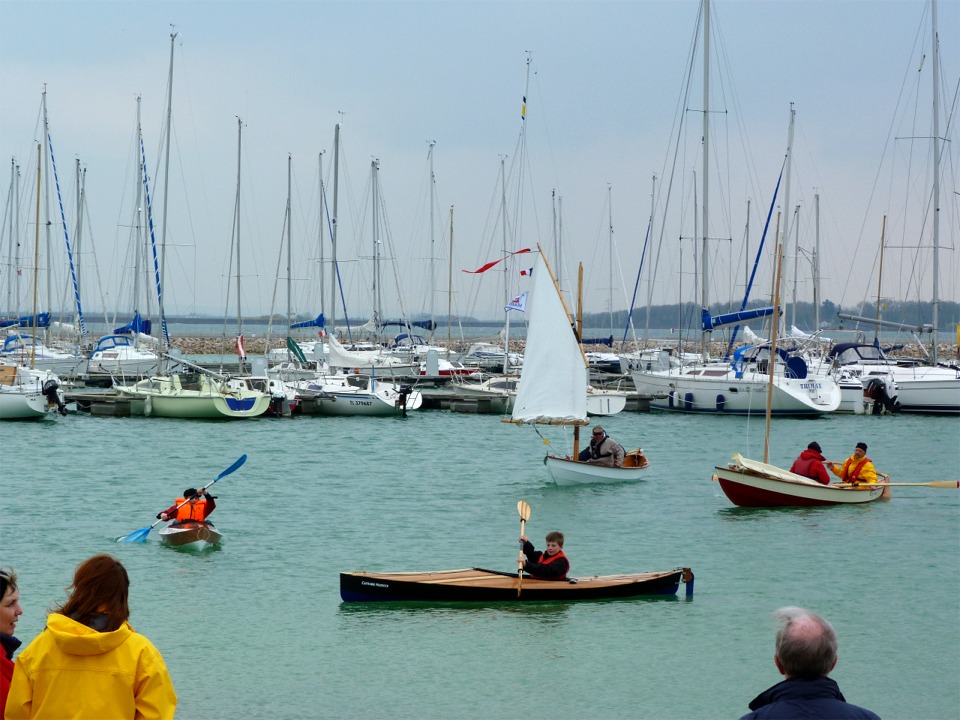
260, 345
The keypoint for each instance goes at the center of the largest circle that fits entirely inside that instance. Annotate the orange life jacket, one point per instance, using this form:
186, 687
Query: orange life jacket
547, 559
191, 511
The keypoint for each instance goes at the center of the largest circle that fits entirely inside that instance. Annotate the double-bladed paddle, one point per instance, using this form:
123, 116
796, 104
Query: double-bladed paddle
932, 483
141, 534
523, 508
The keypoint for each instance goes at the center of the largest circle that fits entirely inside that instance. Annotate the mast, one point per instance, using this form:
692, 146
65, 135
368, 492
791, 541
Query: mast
771, 365
704, 250
375, 201
14, 210
433, 254
323, 270
450, 286
166, 179
746, 250
610, 246
289, 244
81, 175
36, 259
333, 223
236, 212
139, 240
936, 178
46, 214
653, 202
796, 258
883, 232
506, 281
816, 266
786, 206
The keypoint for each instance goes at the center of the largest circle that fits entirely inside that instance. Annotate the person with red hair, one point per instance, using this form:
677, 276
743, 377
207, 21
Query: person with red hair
89, 662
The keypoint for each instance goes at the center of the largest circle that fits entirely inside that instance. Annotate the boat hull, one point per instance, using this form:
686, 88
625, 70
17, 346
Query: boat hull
18, 404
191, 533
697, 390
605, 403
748, 489
566, 471
478, 585
164, 396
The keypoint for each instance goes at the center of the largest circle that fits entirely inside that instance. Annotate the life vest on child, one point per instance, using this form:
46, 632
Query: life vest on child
191, 511
547, 559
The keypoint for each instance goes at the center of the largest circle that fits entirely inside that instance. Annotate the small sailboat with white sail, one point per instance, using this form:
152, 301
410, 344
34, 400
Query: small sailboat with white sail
552, 383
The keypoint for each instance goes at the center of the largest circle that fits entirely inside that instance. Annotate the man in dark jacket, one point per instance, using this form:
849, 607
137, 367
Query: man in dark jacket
810, 464
805, 653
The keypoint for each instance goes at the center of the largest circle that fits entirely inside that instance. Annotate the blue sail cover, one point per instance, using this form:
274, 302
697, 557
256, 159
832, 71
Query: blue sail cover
425, 324
320, 321
608, 341
137, 325
735, 318
42, 321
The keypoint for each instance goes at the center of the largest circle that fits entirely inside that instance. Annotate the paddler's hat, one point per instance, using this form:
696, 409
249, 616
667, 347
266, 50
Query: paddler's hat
814, 446
189, 493
862, 446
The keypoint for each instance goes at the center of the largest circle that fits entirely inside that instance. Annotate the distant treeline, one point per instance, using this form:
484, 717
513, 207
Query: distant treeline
661, 316
803, 315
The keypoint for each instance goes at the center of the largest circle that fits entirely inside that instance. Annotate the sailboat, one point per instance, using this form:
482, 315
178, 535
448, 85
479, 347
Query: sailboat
740, 387
749, 483
552, 383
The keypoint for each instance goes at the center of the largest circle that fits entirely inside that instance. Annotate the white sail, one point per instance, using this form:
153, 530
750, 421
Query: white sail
554, 378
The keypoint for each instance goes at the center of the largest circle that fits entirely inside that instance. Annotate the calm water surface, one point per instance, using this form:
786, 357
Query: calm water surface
256, 628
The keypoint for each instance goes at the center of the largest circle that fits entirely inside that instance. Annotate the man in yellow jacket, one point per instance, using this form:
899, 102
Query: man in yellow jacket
857, 468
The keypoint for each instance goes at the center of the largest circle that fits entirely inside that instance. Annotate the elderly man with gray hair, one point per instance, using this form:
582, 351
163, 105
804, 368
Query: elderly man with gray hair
805, 653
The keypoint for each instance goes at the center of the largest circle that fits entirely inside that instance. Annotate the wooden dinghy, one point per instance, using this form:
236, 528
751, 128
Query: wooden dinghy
196, 533
479, 585
570, 471
750, 483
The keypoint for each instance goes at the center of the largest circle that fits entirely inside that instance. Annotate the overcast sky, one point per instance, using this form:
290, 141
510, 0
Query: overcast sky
605, 84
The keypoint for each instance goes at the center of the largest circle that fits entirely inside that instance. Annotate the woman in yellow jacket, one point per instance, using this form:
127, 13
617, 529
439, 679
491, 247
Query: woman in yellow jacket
89, 662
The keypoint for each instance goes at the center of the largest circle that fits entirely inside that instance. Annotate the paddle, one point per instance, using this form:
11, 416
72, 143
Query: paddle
141, 534
932, 483
523, 508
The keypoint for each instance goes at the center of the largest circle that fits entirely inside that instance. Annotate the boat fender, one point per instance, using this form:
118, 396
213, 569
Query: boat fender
688, 401
670, 400
721, 403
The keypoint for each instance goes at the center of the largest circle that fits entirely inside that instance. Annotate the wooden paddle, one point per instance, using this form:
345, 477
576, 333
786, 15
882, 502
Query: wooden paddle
523, 508
932, 483
141, 534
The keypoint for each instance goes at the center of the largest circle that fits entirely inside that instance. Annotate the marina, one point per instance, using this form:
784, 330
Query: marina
439, 489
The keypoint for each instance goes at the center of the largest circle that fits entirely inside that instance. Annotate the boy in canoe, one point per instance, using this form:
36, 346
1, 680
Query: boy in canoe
549, 565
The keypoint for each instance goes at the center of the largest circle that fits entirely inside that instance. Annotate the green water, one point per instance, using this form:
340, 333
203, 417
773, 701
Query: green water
256, 628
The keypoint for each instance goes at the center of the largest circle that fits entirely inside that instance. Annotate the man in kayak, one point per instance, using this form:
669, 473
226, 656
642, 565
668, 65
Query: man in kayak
810, 464
549, 565
603, 450
805, 652
194, 505
857, 468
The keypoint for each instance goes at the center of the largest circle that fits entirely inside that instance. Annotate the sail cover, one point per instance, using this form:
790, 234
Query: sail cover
553, 383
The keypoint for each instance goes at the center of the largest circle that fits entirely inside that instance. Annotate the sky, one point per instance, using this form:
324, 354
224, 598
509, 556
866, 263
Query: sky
609, 106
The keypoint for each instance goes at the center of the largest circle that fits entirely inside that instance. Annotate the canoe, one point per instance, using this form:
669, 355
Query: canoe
198, 533
749, 483
479, 585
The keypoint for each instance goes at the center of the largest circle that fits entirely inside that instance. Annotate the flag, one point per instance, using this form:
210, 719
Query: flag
490, 264
518, 303
528, 272
241, 350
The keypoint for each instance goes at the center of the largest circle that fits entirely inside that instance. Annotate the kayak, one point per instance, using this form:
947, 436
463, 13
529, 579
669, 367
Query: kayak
479, 585
197, 533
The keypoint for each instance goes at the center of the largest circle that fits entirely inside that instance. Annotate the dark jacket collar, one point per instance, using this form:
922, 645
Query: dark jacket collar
821, 687
10, 644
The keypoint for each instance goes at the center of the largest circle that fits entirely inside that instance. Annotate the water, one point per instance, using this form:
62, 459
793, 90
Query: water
256, 629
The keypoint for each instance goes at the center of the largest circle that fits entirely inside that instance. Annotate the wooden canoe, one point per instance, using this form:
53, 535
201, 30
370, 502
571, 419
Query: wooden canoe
199, 533
479, 585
